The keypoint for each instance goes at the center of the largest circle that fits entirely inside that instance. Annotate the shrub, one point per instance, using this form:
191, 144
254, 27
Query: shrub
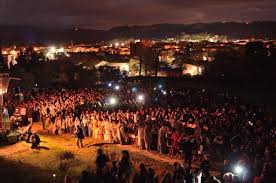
63, 166
64, 155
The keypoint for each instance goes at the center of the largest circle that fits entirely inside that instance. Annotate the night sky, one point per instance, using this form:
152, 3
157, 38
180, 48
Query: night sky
104, 14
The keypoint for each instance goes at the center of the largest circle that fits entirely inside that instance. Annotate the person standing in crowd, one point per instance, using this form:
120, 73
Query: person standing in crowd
71, 123
77, 122
147, 136
125, 168
176, 139
90, 126
85, 125
151, 178
205, 167
101, 161
118, 132
141, 176
30, 114
162, 139
43, 115
187, 148
140, 136
167, 178
23, 112
79, 136
67, 124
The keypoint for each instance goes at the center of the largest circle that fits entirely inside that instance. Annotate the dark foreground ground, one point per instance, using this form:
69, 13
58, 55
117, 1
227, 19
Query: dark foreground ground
19, 163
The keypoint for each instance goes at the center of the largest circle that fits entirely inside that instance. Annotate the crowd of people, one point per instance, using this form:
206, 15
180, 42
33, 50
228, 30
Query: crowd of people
123, 171
190, 124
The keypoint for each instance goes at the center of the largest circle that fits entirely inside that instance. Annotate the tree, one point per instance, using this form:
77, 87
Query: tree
148, 59
140, 51
255, 49
1, 59
181, 59
134, 67
156, 54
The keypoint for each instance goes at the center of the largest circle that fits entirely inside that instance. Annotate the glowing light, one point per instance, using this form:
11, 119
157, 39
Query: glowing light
123, 44
134, 89
117, 87
112, 101
13, 52
5, 52
238, 169
50, 56
164, 93
54, 175
109, 84
211, 40
204, 58
160, 86
140, 98
61, 50
116, 44
199, 70
53, 49
2, 91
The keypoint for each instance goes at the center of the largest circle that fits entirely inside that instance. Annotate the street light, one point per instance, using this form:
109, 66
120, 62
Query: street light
4, 84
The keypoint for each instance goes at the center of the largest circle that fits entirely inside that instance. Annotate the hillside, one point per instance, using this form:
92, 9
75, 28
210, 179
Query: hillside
23, 34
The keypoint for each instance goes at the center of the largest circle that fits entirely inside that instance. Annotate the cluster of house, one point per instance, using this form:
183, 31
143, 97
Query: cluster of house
141, 57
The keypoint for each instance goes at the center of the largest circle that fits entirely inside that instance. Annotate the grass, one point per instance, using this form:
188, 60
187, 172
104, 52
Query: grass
59, 155
63, 157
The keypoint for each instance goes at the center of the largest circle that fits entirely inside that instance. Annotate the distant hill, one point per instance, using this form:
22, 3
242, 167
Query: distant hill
231, 29
23, 34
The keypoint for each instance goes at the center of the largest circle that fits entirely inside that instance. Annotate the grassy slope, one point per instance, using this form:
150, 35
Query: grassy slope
35, 164
32, 165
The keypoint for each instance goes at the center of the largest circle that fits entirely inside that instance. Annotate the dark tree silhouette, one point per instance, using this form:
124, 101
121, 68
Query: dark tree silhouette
156, 54
1, 59
255, 49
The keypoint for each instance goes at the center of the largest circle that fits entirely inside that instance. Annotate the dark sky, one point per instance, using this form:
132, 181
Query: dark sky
103, 14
